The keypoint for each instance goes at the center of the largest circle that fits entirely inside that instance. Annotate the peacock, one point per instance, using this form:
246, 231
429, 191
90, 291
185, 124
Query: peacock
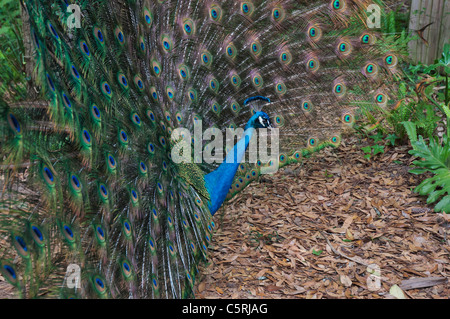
95, 201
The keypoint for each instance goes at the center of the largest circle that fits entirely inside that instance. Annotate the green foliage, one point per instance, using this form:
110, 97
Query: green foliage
435, 154
395, 21
377, 137
419, 93
440, 70
327, 174
391, 138
372, 150
12, 76
317, 252
421, 113
394, 27
445, 63
436, 160
381, 141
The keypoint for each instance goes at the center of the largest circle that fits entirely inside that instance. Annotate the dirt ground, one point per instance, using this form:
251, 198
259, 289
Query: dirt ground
335, 226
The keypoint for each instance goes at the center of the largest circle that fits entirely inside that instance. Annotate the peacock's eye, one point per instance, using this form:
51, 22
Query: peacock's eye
367, 38
187, 28
215, 12
336, 4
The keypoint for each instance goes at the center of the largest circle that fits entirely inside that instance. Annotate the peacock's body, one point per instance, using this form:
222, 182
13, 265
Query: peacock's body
88, 179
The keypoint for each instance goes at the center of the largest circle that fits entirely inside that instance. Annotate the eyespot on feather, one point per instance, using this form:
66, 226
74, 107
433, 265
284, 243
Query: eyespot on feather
215, 13
14, 124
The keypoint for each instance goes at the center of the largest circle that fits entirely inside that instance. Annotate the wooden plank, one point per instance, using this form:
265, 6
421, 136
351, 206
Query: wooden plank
433, 31
414, 25
444, 32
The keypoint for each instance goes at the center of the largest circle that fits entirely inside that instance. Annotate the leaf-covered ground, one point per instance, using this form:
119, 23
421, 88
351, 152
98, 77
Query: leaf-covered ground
313, 230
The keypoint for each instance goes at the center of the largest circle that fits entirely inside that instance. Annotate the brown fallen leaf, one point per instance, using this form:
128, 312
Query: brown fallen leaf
345, 280
348, 222
201, 286
299, 290
349, 235
273, 288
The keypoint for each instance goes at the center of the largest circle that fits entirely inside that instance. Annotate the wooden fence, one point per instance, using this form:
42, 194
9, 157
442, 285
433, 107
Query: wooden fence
424, 12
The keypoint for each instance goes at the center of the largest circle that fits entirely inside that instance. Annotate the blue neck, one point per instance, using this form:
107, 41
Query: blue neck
218, 182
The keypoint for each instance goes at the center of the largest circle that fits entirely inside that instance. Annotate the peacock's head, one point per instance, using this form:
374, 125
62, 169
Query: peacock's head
259, 119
